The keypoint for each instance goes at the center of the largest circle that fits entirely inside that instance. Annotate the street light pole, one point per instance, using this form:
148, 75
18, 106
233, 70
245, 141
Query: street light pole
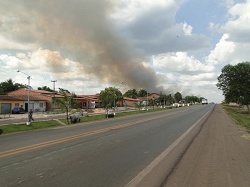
147, 101
164, 100
114, 93
28, 77
53, 97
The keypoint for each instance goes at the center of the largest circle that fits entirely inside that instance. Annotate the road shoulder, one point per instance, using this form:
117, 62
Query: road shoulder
219, 156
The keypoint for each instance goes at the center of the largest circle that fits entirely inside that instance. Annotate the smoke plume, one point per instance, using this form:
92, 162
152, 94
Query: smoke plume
83, 31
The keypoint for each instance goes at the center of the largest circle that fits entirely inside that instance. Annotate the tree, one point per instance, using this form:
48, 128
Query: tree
169, 99
162, 99
65, 102
45, 88
139, 105
9, 86
234, 82
152, 102
61, 90
109, 97
142, 93
177, 97
192, 99
131, 93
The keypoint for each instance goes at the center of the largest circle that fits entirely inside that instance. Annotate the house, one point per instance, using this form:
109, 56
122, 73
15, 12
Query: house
41, 100
153, 96
130, 102
9, 102
37, 101
88, 101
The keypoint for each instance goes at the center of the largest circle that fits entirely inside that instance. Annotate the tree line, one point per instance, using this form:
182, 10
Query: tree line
234, 81
110, 96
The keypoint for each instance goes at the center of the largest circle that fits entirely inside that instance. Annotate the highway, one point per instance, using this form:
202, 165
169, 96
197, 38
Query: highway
108, 153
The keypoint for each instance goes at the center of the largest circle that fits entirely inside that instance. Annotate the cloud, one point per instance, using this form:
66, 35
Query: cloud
152, 28
235, 42
94, 44
86, 34
223, 52
187, 29
7, 44
239, 24
182, 63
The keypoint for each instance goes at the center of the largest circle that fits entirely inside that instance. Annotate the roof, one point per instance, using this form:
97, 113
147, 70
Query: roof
130, 99
10, 98
22, 94
43, 91
88, 97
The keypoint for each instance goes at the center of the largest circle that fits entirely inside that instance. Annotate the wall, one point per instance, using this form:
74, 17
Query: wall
12, 103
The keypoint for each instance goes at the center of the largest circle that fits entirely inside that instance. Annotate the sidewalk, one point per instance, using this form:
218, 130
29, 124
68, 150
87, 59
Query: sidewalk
219, 156
22, 118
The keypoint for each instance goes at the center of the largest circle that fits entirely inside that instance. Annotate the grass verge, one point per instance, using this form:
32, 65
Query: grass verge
34, 125
11, 128
239, 115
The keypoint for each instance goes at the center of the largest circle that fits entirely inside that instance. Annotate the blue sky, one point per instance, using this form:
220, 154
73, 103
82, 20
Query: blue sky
158, 45
200, 13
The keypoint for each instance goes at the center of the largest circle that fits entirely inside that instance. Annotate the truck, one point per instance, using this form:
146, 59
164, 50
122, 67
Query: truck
204, 101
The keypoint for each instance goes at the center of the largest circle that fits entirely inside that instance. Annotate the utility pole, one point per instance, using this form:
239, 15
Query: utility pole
54, 85
28, 77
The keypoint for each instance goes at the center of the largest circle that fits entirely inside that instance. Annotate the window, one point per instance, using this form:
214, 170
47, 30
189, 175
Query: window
16, 104
40, 105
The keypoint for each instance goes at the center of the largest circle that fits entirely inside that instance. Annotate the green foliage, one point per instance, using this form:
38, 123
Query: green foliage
45, 88
9, 86
142, 93
34, 125
66, 102
240, 115
61, 90
162, 99
52, 123
165, 99
139, 105
192, 99
133, 93
109, 97
169, 99
234, 82
177, 97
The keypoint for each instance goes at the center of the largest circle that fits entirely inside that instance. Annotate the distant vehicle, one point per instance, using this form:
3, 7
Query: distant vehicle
204, 101
110, 114
18, 110
176, 105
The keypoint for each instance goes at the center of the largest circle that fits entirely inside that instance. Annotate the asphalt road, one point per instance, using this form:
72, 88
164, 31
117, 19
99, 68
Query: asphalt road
115, 152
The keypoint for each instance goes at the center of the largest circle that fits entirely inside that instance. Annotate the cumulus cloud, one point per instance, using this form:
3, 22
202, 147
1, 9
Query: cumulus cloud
234, 43
239, 24
187, 29
181, 62
152, 27
223, 51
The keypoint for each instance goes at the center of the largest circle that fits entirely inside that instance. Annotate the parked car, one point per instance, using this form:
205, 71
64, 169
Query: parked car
18, 110
110, 114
